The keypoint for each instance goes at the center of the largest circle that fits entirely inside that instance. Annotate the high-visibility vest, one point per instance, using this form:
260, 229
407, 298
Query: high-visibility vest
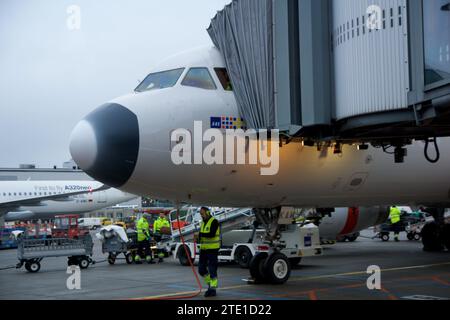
159, 223
207, 243
394, 215
142, 228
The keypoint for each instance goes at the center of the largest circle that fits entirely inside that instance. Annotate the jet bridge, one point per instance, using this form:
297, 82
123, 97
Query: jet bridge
340, 71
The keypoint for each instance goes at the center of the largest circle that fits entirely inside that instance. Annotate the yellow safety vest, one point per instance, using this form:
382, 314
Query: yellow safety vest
394, 215
158, 224
209, 243
143, 229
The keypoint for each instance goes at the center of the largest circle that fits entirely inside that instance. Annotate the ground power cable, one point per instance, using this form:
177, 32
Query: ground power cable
191, 264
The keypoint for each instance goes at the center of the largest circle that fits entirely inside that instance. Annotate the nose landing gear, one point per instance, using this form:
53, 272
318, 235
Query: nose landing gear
284, 244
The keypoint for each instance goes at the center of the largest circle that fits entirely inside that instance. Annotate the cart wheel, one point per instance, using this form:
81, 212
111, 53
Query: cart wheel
410, 236
71, 261
277, 268
417, 236
182, 257
83, 263
242, 256
111, 259
32, 266
385, 237
129, 258
257, 267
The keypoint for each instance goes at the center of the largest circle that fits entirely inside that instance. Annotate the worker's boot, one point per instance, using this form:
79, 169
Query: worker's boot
160, 257
149, 260
396, 238
211, 292
137, 259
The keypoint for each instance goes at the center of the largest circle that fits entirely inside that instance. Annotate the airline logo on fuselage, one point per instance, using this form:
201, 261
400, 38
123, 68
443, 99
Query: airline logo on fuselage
228, 123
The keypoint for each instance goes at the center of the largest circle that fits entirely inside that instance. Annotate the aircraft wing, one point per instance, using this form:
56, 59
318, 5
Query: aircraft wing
37, 201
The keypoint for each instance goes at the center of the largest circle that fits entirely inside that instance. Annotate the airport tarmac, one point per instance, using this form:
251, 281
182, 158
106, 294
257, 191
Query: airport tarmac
407, 273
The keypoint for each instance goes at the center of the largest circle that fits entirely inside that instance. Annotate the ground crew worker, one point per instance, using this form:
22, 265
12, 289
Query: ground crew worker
143, 237
161, 222
209, 239
394, 215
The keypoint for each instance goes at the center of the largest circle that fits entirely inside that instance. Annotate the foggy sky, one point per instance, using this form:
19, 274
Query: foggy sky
51, 76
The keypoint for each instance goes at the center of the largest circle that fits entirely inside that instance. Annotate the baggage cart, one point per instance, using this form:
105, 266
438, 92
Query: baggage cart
31, 252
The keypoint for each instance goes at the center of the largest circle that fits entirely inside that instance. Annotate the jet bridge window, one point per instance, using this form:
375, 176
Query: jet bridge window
436, 20
199, 78
160, 80
224, 79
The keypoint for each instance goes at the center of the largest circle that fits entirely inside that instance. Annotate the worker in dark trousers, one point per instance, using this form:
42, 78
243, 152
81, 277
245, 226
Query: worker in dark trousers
209, 239
394, 216
143, 238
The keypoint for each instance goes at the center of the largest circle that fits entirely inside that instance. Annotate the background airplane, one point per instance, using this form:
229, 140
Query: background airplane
32, 200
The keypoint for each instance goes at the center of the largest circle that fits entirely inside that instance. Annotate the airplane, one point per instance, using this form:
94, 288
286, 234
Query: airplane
34, 200
127, 143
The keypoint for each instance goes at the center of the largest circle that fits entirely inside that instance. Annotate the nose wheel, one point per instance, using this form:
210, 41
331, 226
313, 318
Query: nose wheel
272, 269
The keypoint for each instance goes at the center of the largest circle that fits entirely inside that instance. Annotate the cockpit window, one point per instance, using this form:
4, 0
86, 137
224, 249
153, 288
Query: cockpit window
160, 80
199, 78
224, 79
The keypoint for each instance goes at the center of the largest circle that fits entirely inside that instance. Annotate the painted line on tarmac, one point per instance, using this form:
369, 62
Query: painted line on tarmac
295, 279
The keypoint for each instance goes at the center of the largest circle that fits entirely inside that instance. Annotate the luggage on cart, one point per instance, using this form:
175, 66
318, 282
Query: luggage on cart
31, 252
116, 241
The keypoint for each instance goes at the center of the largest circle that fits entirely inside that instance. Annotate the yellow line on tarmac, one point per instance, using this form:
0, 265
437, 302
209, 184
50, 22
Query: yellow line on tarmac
296, 279
161, 296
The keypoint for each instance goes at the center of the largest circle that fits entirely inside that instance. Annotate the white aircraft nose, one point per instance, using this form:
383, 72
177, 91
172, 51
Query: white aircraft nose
105, 144
83, 145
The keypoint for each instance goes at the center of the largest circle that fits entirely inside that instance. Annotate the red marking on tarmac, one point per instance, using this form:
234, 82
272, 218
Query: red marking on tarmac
390, 295
441, 281
352, 220
312, 295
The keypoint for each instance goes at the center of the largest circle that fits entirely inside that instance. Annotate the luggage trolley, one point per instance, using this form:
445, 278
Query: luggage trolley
31, 252
412, 228
116, 241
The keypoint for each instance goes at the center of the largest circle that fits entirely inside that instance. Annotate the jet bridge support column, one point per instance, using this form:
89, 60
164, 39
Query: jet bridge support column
436, 234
